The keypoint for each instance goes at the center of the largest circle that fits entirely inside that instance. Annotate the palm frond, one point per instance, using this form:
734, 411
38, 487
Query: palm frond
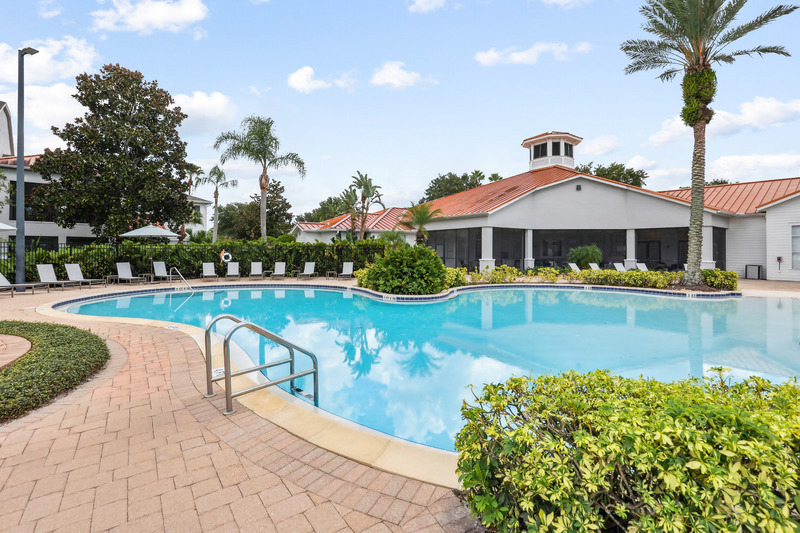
760, 21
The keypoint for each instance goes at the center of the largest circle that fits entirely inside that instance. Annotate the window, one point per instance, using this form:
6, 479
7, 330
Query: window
568, 149
539, 151
556, 149
796, 247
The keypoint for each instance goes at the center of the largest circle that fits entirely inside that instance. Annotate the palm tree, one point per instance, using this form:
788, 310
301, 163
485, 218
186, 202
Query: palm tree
368, 195
691, 36
258, 143
192, 171
348, 201
216, 177
417, 217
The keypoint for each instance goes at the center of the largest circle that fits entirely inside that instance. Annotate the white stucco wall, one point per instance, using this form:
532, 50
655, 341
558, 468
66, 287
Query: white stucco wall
747, 244
780, 220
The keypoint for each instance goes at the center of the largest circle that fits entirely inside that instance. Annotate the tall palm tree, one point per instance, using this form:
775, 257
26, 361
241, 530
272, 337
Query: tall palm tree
417, 217
216, 177
348, 201
258, 143
691, 37
368, 195
192, 171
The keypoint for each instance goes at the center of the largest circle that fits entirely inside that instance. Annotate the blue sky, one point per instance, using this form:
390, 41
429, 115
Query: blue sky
404, 90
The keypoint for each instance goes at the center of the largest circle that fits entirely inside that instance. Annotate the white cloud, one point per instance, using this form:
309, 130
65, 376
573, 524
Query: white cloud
760, 114
663, 179
345, 81
560, 51
600, 145
392, 73
567, 4
207, 112
671, 130
49, 9
755, 166
45, 106
424, 6
640, 162
303, 81
147, 16
56, 60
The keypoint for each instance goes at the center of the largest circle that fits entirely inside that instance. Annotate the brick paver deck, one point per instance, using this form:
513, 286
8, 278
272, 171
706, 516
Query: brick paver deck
138, 448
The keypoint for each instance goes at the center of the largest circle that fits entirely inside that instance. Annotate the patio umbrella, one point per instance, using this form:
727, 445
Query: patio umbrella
6, 227
150, 231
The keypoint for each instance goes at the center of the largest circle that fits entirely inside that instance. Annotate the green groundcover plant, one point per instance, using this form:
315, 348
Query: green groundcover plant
602, 453
61, 357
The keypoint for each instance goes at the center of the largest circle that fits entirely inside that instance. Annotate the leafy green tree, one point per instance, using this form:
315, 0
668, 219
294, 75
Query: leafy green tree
239, 220
200, 236
690, 37
216, 177
368, 195
616, 172
417, 217
452, 183
329, 208
257, 143
124, 165
718, 181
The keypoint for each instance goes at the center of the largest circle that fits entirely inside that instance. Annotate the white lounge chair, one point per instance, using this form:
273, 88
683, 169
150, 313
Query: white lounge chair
620, 267
308, 270
5, 285
256, 270
124, 273
347, 271
160, 272
642, 267
233, 270
74, 273
280, 270
209, 272
594, 266
48, 275
574, 267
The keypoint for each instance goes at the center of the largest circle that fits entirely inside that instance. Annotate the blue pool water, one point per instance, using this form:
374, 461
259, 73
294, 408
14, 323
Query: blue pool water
404, 369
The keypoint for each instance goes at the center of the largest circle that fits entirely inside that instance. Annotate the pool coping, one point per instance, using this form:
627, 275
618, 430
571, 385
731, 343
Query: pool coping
327, 430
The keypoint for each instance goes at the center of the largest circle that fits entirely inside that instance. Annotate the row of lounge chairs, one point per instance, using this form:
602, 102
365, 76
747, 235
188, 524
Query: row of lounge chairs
618, 266
278, 272
48, 278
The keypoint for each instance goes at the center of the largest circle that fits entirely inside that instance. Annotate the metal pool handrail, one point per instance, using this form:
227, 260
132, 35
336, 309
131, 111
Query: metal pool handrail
181, 275
228, 375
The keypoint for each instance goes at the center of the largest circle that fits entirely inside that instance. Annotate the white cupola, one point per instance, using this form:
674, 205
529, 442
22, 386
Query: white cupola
552, 148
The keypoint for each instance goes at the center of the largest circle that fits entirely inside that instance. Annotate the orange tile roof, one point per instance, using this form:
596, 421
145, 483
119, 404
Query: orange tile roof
742, 198
383, 220
11, 160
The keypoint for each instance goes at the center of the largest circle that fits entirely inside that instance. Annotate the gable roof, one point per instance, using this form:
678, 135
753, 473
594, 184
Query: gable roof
384, 220
492, 196
11, 161
743, 198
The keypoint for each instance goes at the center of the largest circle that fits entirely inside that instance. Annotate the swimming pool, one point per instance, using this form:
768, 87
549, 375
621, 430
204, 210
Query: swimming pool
404, 368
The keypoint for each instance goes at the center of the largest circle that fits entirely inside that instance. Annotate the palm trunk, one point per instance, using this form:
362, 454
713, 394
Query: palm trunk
263, 182
693, 276
216, 215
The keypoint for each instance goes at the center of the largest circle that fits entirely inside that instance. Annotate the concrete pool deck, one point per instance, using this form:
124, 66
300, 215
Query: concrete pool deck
139, 448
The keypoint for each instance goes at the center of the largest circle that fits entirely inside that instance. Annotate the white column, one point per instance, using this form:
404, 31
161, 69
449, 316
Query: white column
707, 256
487, 245
528, 261
630, 249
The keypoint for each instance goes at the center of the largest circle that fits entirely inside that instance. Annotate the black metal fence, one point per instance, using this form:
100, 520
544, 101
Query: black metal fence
98, 260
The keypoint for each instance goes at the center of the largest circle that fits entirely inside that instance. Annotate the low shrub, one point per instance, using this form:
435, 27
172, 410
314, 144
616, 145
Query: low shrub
498, 274
583, 255
631, 278
548, 274
599, 452
406, 270
455, 277
61, 357
721, 279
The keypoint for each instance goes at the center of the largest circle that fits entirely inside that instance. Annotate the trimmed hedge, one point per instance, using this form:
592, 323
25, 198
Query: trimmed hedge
598, 452
655, 279
61, 358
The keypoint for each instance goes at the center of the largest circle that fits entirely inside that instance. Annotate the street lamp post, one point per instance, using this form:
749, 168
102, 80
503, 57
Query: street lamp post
20, 248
